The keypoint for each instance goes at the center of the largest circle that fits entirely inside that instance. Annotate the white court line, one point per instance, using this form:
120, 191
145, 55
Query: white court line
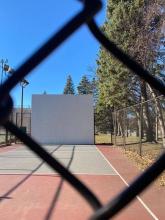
56, 174
140, 200
95, 174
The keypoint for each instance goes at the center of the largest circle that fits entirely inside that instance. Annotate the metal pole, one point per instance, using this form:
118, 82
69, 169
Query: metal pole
6, 138
3, 62
140, 129
124, 129
30, 124
16, 120
156, 121
22, 105
115, 128
94, 121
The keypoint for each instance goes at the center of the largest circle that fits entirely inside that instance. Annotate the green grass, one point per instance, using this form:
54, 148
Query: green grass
103, 139
128, 140
132, 143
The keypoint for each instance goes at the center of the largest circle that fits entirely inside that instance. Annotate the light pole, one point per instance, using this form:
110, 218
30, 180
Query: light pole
23, 84
4, 67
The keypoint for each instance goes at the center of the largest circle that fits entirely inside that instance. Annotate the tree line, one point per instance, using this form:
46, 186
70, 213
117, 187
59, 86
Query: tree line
85, 86
138, 28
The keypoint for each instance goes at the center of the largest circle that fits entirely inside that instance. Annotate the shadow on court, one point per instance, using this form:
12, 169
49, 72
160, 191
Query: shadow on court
58, 191
5, 195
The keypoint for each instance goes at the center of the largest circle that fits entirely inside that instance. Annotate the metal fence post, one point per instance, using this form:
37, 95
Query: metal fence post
140, 129
156, 121
6, 137
124, 130
16, 121
115, 124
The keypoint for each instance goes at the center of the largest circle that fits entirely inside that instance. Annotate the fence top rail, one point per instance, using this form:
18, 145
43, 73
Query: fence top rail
140, 103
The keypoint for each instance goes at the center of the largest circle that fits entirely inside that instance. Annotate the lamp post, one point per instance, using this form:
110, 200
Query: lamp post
4, 67
23, 84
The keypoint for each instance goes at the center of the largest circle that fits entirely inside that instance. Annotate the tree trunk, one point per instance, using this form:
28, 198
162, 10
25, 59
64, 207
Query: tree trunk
156, 125
159, 114
137, 124
146, 114
139, 115
138, 128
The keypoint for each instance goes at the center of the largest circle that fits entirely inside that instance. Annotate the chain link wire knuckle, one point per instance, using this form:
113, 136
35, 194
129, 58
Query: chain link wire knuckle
91, 7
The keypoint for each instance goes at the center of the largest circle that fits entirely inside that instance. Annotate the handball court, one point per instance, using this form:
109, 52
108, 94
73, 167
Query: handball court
29, 189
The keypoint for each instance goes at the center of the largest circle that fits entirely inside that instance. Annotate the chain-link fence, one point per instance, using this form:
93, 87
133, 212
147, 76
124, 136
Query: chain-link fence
141, 127
85, 16
5, 138
103, 127
17, 117
22, 120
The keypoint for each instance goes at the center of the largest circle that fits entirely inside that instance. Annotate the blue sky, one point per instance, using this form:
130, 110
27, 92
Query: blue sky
25, 25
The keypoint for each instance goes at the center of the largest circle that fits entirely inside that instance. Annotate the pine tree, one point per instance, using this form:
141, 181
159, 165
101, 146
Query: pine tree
85, 86
135, 27
95, 92
69, 87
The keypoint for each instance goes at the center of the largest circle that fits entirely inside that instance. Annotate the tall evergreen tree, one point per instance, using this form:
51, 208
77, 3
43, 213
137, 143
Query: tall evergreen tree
69, 87
135, 26
94, 84
85, 86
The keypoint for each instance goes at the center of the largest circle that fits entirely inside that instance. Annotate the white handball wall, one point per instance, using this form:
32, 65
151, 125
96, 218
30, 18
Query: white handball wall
63, 119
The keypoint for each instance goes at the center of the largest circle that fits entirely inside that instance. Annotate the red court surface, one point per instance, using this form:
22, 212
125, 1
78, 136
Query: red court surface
46, 197
9, 148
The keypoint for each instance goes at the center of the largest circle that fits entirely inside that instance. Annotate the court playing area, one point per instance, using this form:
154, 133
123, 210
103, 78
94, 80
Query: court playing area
82, 159
29, 189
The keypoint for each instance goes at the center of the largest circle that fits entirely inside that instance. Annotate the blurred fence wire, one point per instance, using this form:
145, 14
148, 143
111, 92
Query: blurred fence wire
85, 16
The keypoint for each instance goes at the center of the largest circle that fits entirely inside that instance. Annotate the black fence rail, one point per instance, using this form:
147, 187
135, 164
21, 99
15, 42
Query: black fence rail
85, 16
